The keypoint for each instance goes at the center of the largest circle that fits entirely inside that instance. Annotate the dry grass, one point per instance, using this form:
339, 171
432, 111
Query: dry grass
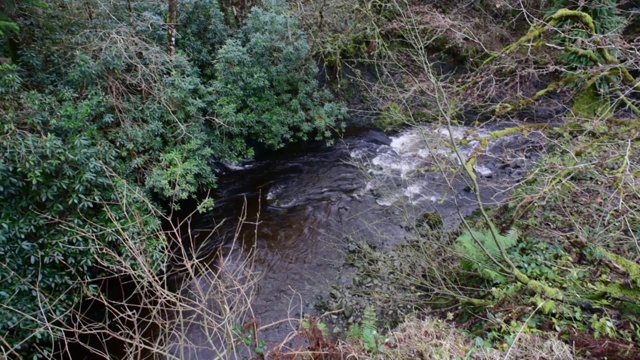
435, 339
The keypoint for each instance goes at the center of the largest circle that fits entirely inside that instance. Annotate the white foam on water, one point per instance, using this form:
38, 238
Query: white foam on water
239, 166
274, 191
413, 151
482, 170
358, 154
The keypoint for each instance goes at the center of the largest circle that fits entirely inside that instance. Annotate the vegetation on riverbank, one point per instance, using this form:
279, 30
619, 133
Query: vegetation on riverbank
105, 115
113, 113
559, 259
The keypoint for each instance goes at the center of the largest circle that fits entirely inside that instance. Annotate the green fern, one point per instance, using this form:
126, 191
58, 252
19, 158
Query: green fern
369, 318
8, 25
366, 331
475, 257
608, 22
368, 324
605, 14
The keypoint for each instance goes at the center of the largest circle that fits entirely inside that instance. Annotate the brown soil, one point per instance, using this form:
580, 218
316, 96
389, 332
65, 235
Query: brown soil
603, 347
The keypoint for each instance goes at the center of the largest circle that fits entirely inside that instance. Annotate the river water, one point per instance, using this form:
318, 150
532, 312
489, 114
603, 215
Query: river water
277, 239
302, 208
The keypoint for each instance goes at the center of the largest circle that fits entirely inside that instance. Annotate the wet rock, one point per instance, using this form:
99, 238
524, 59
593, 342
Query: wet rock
335, 294
348, 311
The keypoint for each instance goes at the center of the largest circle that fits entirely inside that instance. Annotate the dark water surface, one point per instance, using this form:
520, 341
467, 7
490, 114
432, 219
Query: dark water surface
306, 203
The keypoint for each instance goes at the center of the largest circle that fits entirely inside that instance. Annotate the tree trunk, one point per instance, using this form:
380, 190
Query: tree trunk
172, 21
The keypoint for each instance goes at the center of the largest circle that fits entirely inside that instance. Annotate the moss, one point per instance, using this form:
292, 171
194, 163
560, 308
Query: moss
630, 308
391, 118
538, 287
432, 220
469, 165
581, 16
546, 306
589, 105
618, 291
632, 269
477, 302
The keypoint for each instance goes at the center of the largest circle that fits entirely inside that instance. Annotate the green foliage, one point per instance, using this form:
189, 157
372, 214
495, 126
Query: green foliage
602, 326
391, 118
592, 264
591, 105
608, 23
8, 14
9, 79
470, 245
345, 30
585, 307
62, 207
202, 32
180, 171
123, 88
367, 332
7, 26
265, 87
369, 323
248, 339
605, 15
97, 119
307, 324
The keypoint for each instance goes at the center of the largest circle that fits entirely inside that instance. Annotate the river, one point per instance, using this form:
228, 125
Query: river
285, 225
310, 204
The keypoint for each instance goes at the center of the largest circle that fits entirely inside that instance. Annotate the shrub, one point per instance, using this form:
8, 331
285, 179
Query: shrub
201, 33
61, 207
265, 87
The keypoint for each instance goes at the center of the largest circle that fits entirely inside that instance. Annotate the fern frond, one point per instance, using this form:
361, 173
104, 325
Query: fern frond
479, 260
367, 326
369, 318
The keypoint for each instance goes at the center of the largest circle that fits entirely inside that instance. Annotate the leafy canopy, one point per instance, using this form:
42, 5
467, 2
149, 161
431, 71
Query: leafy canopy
265, 88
